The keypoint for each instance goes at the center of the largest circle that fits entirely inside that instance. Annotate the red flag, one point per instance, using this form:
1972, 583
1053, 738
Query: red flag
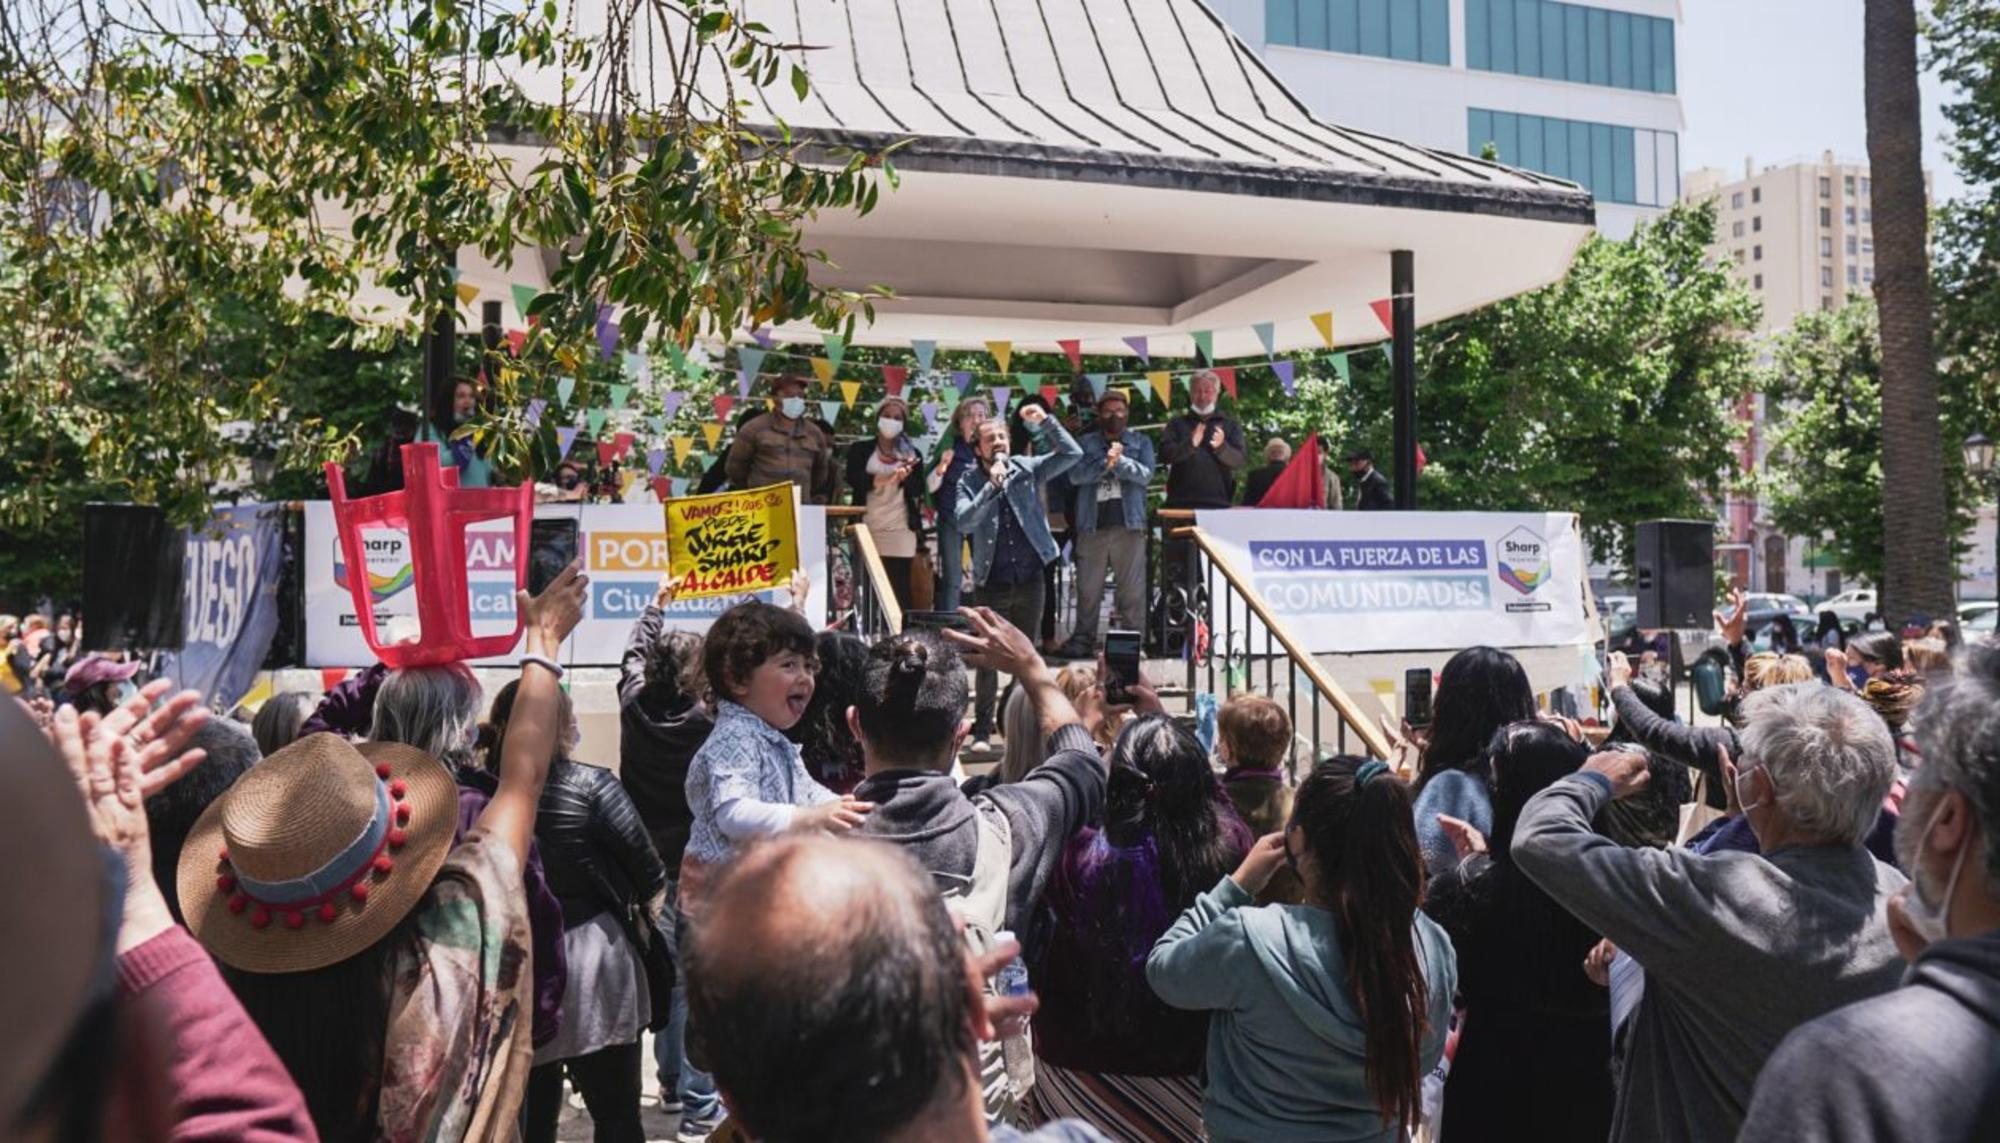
1384, 315
517, 340
663, 488
893, 376
1052, 395
723, 403
621, 444
1073, 349
1422, 460
1300, 484
1227, 375
607, 451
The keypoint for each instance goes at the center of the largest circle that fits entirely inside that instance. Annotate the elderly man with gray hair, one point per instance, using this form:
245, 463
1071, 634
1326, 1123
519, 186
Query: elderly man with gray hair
1922, 1062
1738, 949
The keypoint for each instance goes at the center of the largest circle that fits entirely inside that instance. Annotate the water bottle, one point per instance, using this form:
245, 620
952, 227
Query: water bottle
1019, 1054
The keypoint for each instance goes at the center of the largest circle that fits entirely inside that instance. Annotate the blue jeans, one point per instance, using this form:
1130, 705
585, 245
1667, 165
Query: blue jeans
951, 562
700, 1103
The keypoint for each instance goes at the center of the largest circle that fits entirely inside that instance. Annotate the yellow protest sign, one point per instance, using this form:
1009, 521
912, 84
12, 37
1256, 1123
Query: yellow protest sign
732, 542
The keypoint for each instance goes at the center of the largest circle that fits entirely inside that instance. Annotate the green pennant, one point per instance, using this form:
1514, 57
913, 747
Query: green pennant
565, 386
618, 395
524, 296
597, 417
1204, 344
835, 348
1341, 368
1031, 382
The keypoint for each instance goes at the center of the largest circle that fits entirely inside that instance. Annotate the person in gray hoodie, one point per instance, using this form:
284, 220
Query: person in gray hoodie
1738, 949
1921, 1063
1290, 1054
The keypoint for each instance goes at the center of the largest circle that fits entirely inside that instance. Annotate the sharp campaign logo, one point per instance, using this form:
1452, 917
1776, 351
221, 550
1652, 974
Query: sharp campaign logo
388, 556
1521, 559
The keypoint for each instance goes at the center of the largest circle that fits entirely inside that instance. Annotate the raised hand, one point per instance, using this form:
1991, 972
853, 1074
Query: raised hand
994, 643
1259, 865
1001, 1017
552, 615
1627, 770
1465, 837
156, 738
1731, 622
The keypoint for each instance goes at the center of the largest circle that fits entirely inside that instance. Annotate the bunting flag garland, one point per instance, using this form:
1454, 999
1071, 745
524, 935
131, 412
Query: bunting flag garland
743, 383
961, 381
829, 411
565, 387
1073, 349
655, 457
1050, 394
662, 489
836, 348
1031, 382
621, 444
722, 403
1097, 384
1138, 345
533, 419
680, 485
823, 369
619, 394
467, 293
1323, 322
659, 425
762, 336
1163, 386
1227, 375
670, 403
524, 296
607, 334
597, 417
712, 431
606, 453
893, 377
1384, 314
930, 409
1001, 397
565, 437
517, 341
682, 447
1267, 333
925, 351
1204, 346
1003, 352
1286, 371
749, 362
1340, 367
635, 367
849, 390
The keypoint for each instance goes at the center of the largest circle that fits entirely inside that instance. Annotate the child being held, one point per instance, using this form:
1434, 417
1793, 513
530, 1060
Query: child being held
1253, 737
748, 780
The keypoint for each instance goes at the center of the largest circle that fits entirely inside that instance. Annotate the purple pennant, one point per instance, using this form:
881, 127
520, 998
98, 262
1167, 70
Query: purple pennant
655, 457
1284, 370
607, 334
1001, 395
534, 415
763, 337
1138, 345
743, 384
931, 412
670, 403
565, 437
961, 381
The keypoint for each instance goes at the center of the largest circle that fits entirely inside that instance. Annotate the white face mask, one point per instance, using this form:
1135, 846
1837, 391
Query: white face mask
1205, 410
792, 407
1933, 918
889, 427
1741, 802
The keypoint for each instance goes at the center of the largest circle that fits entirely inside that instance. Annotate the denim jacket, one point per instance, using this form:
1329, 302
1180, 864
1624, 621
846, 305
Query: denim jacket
979, 498
1134, 471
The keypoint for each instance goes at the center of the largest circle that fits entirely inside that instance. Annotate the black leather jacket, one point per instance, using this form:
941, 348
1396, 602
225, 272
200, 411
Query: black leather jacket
594, 848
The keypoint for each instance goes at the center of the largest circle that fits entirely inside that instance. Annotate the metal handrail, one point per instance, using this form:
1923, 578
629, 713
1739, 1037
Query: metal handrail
1302, 661
879, 594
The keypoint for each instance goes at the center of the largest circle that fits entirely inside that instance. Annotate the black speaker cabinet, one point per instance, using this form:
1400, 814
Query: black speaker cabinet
1675, 572
133, 564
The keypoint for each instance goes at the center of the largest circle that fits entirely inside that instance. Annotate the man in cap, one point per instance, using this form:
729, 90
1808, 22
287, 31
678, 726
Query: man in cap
781, 445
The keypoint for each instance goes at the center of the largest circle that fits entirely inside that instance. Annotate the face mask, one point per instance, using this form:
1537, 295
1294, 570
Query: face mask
1113, 424
1747, 806
1205, 410
125, 691
1933, 918
889, 427
566, 481
793, 407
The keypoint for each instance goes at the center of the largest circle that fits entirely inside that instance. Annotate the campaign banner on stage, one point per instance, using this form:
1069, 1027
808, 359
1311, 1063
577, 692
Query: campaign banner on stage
230, 584
625, 554
1347, 582
732, 542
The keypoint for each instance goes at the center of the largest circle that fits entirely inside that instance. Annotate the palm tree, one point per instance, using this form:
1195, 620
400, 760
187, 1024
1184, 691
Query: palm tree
1917, 569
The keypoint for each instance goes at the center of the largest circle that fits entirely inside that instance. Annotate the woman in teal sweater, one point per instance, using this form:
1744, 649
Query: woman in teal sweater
1290, 1055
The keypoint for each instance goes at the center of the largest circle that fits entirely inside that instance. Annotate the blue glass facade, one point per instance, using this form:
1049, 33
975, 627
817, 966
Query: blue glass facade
1570, 42
1414, 30
1615, 164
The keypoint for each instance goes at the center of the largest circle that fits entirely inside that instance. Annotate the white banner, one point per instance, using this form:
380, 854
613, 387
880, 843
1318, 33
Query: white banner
624, 548
1345, 582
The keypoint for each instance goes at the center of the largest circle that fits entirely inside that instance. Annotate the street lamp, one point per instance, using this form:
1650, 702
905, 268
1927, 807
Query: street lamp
1979, 462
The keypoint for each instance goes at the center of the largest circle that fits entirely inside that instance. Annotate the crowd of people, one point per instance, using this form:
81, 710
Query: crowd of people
403, 911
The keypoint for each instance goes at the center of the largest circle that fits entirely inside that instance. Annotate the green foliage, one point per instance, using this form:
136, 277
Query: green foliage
1964, 41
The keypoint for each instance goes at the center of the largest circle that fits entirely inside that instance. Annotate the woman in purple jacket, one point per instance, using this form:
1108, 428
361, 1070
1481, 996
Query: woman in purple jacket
1107, 1050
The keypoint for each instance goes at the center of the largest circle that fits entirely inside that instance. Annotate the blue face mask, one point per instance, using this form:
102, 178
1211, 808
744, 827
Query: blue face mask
125, 691
793, 407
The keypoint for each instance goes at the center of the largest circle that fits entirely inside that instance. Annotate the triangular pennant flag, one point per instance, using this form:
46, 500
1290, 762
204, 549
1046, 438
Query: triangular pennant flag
1052, 395
533, 419
659, 425
517, 341
524, 296
1384, 314
607, 334
836, 348
749, 361
619, 394
925, 351
467, 293
606, 453
1285, 371
565, 386
762, 337
670, 403
565, 437
1227, 375
829, 411
1323, 322
1073, 349
633, 366
663, 489
849, 390
1031, 382
1163, 386
1204, 345
655, 457
679, 484
682, 447
625, 485
823, 369
743, 383
1002, 396
596, 418
622, 444
893, 378
722, 403
1003, 352
961, 381
930, 409
1301, 483
1097, 383
1138, 345
1267, 333
1341, 368
712, 431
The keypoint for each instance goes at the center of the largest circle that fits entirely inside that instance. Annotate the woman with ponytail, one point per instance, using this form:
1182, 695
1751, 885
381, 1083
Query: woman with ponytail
1325, 1016
1107, 1050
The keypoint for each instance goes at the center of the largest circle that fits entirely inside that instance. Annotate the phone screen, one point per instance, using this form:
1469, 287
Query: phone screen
1121, 664
551, 548
934, 621
1417, 696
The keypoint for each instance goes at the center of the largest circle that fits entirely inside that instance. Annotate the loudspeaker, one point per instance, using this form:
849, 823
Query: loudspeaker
133, 565
1675, 570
